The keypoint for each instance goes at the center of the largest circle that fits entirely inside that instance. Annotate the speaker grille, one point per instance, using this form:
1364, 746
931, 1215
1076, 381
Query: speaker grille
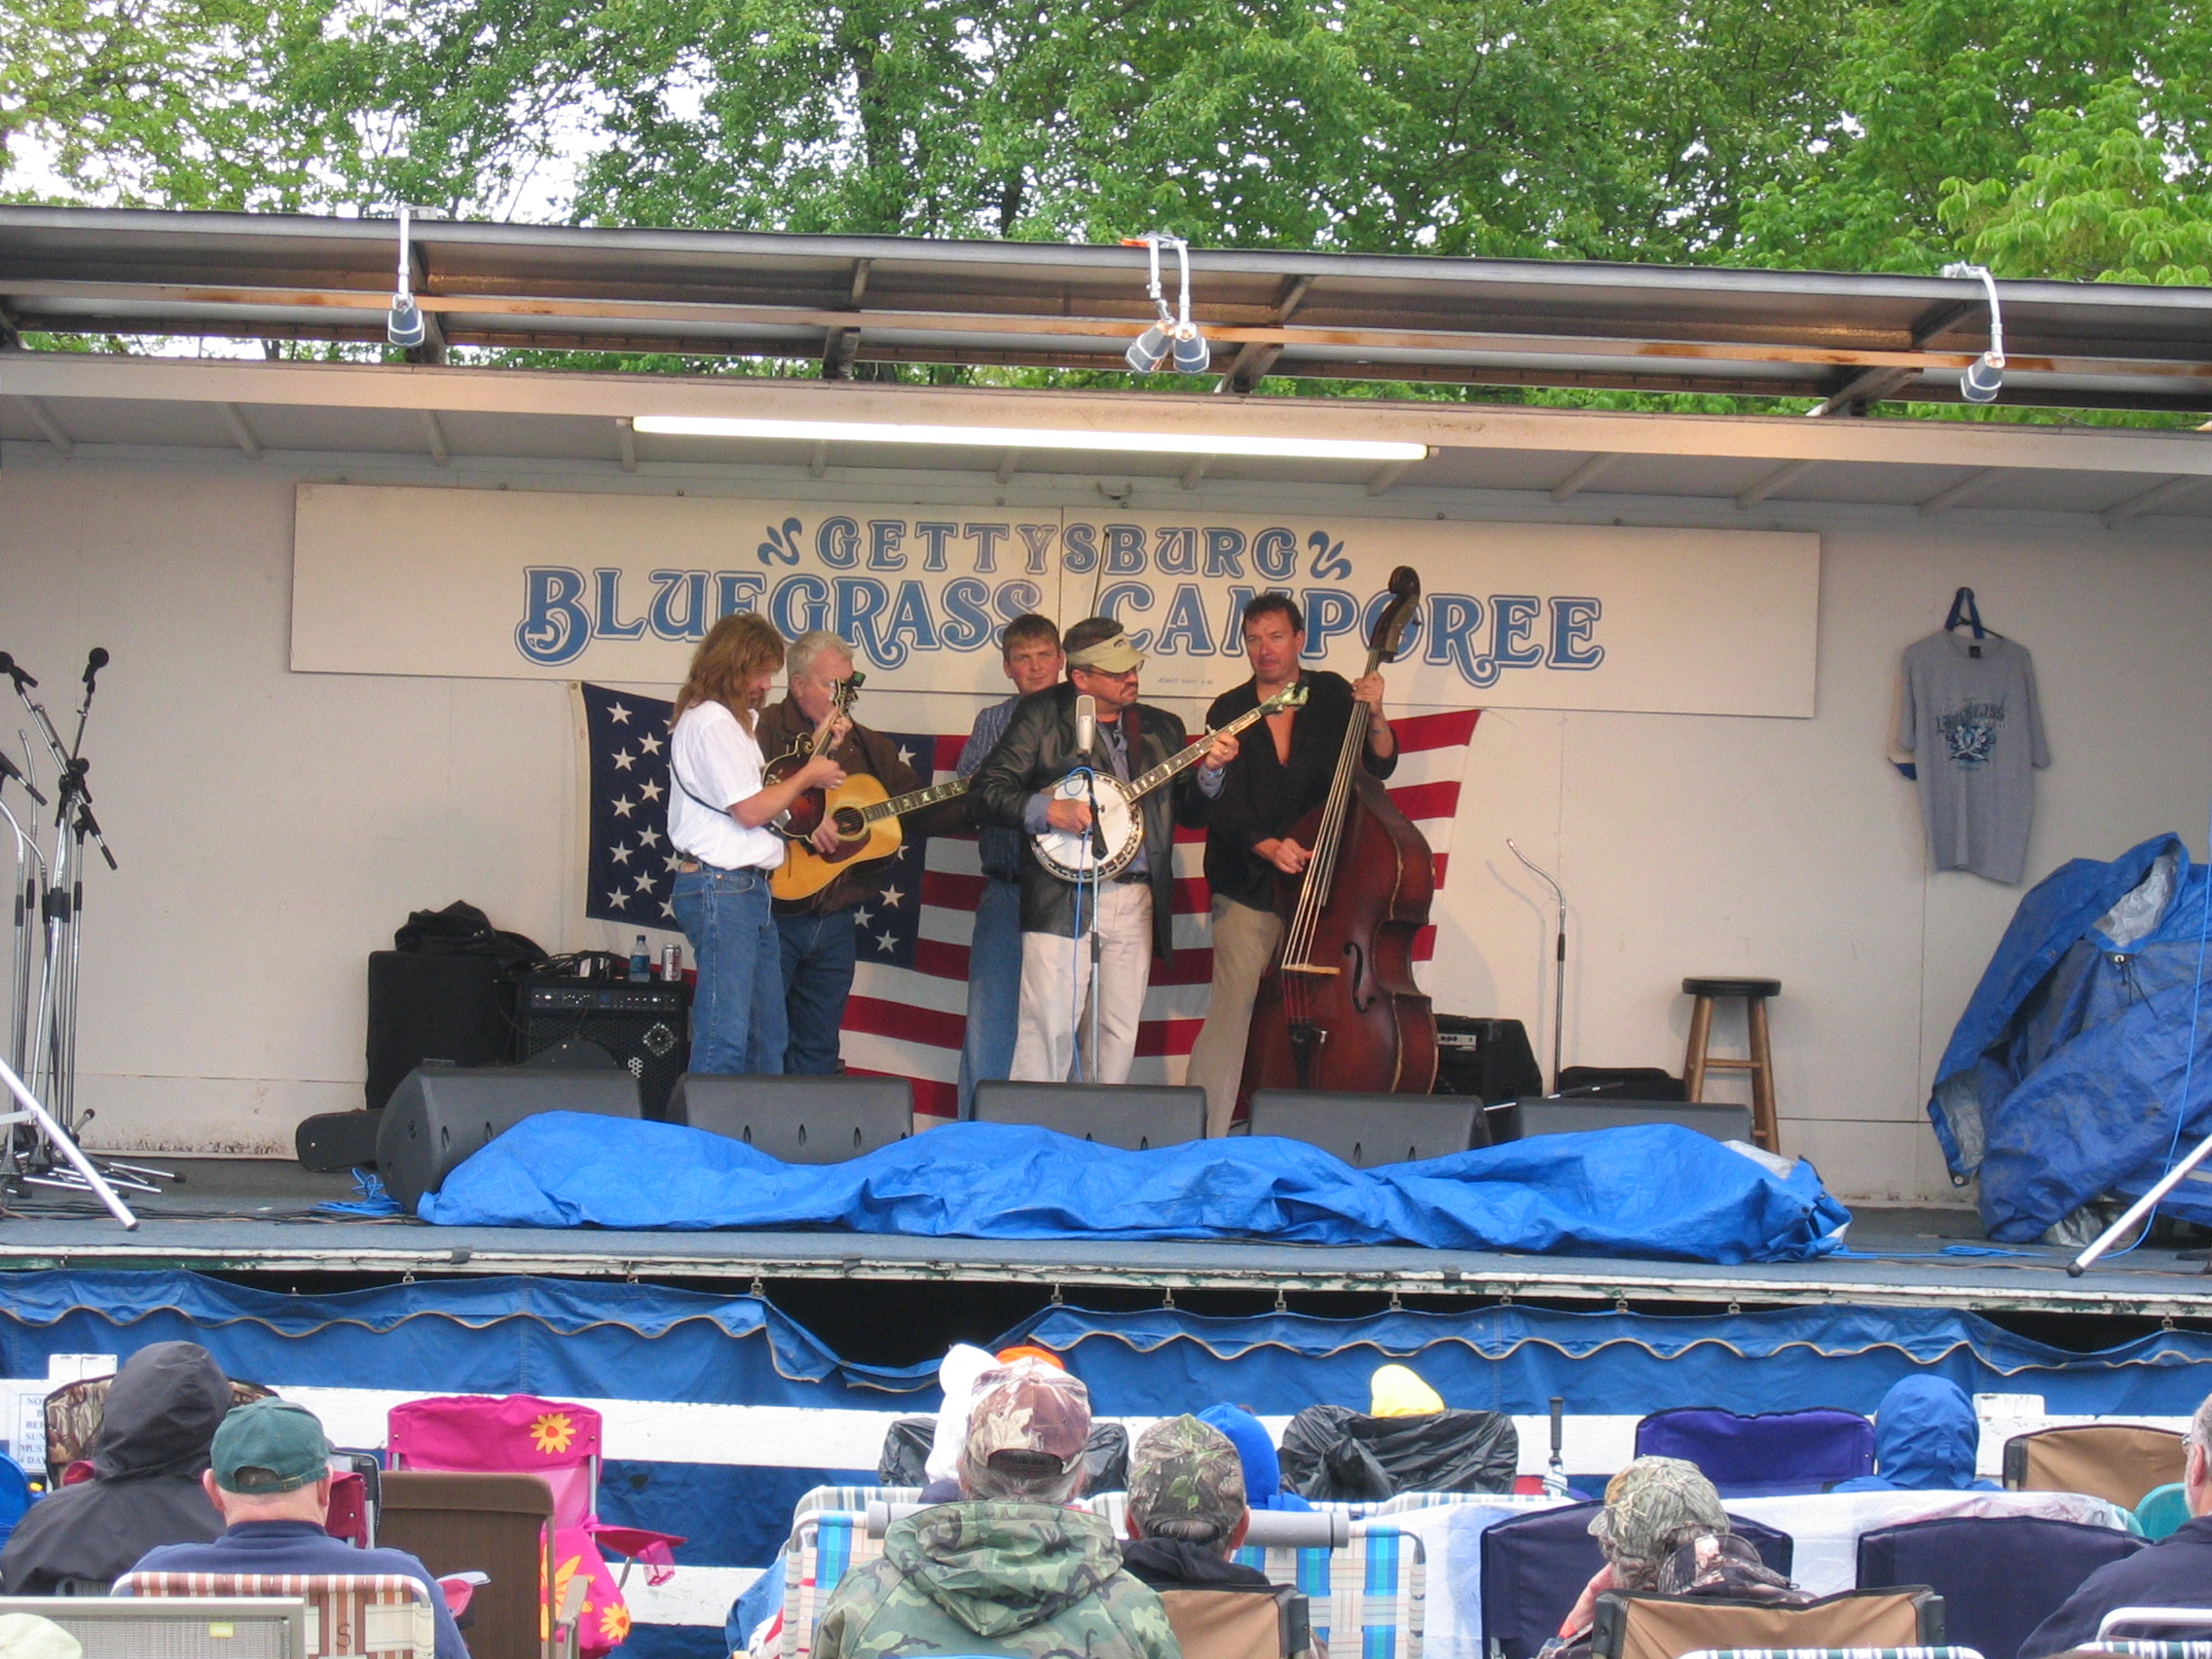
646, 1028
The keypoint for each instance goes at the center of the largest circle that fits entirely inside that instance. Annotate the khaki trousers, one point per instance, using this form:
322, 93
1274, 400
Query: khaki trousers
1244, 941
1055, 993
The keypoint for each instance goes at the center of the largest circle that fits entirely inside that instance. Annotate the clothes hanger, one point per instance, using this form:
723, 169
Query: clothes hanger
1964, 610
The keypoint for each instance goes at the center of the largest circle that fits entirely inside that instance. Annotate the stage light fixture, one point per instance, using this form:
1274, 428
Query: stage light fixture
405, 326
1984, 377
1029, 438
1174, 333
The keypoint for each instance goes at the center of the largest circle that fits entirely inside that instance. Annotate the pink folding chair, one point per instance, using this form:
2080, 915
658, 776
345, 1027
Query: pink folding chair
558, 1442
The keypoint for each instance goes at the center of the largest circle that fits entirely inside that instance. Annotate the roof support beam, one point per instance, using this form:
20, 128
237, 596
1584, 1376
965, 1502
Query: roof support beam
435, 434
1963, 489
1255, 357
1195, 472
839, 344
10, 331
1583, 476
47, 426
1387, 476
1007, 464
239, 430
1781, 478
2158, 496
818, 461
626, 442
1867, 385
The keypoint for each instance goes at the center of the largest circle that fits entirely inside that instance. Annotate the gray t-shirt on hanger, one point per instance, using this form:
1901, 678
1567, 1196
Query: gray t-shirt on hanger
1975, 732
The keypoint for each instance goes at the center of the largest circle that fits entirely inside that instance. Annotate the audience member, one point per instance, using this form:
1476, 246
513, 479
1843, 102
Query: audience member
161, 1411
1397, 1391
1655, 1508
1256, 1452
2176, 1572
1008, 1569
1186, 1514
271, 1480
1926, 1437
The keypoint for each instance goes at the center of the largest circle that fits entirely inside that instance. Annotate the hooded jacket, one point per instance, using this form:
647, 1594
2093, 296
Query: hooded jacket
995, 1578
1924, 1439
1262, 1470
160, 1418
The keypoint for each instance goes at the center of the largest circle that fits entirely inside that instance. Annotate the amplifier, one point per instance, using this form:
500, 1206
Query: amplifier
1486, 1058
646, 1027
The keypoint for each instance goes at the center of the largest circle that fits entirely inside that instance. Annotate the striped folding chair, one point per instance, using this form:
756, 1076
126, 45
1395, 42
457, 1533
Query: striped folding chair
386, 1616
825, 1546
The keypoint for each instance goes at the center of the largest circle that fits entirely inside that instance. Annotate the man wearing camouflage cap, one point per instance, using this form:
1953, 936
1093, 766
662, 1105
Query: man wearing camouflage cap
1187, 1511
1652, 1508
1007, 1569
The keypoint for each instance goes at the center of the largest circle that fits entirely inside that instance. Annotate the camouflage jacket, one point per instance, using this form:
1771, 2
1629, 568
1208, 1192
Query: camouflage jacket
995, 1578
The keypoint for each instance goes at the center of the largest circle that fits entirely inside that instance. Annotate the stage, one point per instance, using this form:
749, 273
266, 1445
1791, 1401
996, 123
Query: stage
238, 1216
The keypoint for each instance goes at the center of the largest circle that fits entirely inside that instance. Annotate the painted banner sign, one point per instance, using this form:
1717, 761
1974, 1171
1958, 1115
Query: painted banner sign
509, 584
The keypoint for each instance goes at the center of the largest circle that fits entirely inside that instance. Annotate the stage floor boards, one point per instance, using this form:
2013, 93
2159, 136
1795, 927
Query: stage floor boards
235, 1215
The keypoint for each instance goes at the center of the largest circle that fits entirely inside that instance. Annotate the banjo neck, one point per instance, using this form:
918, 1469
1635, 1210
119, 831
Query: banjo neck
1192, 753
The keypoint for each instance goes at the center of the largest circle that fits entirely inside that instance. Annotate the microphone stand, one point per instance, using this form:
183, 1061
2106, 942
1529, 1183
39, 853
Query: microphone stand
1559, 960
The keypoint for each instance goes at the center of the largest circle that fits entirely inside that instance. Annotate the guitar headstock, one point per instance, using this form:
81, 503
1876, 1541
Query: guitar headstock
1390, 627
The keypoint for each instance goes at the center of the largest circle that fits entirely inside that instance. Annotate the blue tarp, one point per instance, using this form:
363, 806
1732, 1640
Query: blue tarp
2064, 1076
1651, 1191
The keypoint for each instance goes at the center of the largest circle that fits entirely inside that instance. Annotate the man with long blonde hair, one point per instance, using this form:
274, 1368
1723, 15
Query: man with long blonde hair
718, 814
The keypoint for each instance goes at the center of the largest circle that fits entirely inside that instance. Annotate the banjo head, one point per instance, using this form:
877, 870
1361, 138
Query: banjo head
1075, 858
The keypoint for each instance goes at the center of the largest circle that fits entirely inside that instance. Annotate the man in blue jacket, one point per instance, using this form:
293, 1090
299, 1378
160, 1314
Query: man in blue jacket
271, 1480
2176, 1572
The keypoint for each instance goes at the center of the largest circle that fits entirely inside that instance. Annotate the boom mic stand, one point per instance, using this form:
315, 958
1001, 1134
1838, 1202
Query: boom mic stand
1559, 959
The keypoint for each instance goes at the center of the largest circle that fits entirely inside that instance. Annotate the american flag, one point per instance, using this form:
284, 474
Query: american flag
907, 1013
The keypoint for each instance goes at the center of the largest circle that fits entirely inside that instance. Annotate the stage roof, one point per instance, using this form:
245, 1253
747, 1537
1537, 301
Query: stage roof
822, 303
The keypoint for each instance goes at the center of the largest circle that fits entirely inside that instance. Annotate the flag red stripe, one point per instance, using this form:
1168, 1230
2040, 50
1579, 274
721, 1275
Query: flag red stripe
904, 1020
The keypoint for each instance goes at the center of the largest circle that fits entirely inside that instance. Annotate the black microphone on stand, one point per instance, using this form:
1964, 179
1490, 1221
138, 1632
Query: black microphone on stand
9, 668
9, 769
94, 663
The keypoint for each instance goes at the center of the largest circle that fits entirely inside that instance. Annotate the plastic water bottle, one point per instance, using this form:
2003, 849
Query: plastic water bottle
640, 962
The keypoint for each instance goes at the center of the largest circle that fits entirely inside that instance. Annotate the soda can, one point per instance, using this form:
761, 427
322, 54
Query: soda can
671, 962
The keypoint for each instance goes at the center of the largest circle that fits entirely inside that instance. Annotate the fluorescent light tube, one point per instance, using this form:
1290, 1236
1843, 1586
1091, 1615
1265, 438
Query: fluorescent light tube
1028, 438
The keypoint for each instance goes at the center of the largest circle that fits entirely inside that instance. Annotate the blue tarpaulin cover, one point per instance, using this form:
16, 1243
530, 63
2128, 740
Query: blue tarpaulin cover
2063, 1079
1650, 1190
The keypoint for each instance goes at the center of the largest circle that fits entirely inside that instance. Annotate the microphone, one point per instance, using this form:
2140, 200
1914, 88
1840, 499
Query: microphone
94, 663
9, 769
9, 668
1086, 725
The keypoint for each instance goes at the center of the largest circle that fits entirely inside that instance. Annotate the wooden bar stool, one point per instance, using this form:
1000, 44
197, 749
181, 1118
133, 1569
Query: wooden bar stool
1697, 1062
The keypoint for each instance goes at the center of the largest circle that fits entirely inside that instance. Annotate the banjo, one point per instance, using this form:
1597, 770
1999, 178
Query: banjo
1074, 857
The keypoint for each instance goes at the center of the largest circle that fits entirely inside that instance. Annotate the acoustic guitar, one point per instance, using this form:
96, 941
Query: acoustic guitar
867, 832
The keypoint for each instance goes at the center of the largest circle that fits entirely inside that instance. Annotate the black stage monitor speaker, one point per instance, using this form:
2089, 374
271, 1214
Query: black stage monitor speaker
453, 1011
1133, 1116
1367, 1129
645, 1027
338, 1140
1722, 1121
800, 1120
439, 1115
1489, 1059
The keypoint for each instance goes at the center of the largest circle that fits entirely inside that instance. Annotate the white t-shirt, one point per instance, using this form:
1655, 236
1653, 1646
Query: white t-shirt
718, 759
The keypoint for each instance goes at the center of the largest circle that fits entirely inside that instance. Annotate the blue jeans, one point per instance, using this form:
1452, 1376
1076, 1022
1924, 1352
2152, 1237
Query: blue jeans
737, 1012
818, 952
994, 988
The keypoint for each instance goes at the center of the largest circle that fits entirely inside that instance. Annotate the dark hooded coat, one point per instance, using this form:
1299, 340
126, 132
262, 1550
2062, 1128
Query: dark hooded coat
160, 1420
1925, 1438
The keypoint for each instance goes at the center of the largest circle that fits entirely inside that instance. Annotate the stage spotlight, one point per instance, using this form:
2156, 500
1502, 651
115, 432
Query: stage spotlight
405, 326
1984, 377
1174, 333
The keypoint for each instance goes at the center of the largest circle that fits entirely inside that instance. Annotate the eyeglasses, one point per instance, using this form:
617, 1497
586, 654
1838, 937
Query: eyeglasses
1127, 675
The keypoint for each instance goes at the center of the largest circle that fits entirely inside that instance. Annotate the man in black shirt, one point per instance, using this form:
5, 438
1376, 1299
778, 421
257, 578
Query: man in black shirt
1282, 772
2176, 1572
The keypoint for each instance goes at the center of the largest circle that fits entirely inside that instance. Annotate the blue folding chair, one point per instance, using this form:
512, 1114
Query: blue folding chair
2000, 1576
1773, 1455
16, 1495
1536, 1566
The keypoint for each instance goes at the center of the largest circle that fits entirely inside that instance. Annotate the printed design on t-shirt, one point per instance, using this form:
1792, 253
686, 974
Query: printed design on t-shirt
1970, 732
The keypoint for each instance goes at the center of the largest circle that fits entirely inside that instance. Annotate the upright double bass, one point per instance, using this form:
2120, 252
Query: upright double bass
1338, 1007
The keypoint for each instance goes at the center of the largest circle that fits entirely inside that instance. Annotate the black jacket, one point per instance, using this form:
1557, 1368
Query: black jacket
159, 1422
2176, 1572
1169, 1564
1261, 798
1036, 753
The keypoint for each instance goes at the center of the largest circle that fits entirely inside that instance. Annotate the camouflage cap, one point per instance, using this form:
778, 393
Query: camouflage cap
1183, 1470
1653, 1506
1025, 1414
